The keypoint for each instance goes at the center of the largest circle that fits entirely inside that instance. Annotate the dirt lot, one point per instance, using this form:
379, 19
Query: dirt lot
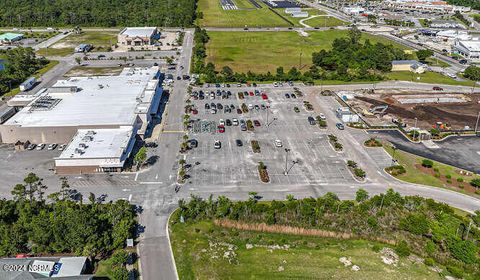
457, 115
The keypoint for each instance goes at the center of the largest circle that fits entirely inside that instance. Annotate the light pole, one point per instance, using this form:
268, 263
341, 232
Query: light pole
394, 148
286, 160
415, 129
476, 124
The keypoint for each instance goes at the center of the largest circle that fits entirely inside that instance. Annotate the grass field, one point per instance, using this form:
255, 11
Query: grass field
215, 16
427, 77
413, 175
101, 41
93, 71
202, 251
265, 51
324, 21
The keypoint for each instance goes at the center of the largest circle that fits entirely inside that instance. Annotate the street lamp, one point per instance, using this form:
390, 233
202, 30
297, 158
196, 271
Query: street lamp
394, 148
286, 160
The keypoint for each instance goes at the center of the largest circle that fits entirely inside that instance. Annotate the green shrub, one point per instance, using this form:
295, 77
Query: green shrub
396, 170
475, 183
376, 248
436, 169
402, 249
463, 250
448, 176
455, 271
429, 262
431, 248
359, 172
427, 163
460, 179
119, 258
415, 223
449, 181
351, 163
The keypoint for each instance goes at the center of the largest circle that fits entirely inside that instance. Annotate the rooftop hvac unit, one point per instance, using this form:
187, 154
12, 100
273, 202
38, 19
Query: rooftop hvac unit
87, 138
79, 151
83, 145
90, 133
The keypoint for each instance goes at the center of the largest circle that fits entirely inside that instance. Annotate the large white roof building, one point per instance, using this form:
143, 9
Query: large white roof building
470, 49
113, 108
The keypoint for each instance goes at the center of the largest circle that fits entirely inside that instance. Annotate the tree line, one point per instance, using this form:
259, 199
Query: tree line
105, 13
429, 229
475, 4
20, 64
348, 60
58, 223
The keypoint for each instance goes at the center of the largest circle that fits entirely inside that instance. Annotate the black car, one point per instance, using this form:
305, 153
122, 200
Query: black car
151, 145
232, 106
219, 106
186, 77
293, 96
179, 78
287, 95
213, 106
239, 142
312, 121
207, 106
228, 122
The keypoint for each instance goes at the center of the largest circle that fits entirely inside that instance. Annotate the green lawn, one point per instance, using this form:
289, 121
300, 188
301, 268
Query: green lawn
413, 175
244, 4
324, 21
427, 77
437, 62
101, 41
215, 16
265, 51
199, 251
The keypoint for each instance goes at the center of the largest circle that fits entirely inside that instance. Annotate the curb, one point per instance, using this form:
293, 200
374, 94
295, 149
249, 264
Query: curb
170, 243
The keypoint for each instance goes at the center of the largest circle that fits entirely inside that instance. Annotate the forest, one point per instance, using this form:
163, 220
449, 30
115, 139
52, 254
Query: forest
33, 223
429, 229
475, 4
20, 63
101, 13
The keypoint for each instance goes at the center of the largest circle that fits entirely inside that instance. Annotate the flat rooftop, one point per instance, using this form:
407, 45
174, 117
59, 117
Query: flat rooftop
472, 45
91, 101
98, 144
138, 31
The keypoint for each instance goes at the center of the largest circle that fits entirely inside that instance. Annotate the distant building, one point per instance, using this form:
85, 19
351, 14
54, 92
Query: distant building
353, 10
409, 65
8, 38
469, 49
446, 24
83, 48
66, 268
138, 36
426, 6
299, 14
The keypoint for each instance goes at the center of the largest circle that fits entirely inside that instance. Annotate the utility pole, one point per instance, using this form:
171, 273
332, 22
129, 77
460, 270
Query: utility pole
476, 124
394, 148
415, 130
286, 161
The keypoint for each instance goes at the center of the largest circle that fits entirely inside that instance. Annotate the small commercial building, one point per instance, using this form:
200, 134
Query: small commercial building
67, 268
96, 150
470, 49
347, 116
83, 48
9, 38
446, 24
138, 36
409, 65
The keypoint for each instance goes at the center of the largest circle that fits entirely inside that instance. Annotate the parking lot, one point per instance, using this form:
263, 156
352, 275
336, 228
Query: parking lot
311, 159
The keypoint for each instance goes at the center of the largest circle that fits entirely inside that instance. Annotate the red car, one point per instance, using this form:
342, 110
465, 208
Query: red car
264, 96
256, 123
221, 129
194, 111
239, 111
251, 93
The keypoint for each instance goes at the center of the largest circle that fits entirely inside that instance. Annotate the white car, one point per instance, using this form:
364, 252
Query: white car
52, 146
221, 122
235, 121
322, 116
213, 111
62, 147
275, 84
250, 106
278, 143
40, 146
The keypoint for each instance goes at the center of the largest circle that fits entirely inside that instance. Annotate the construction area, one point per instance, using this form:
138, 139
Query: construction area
423, 110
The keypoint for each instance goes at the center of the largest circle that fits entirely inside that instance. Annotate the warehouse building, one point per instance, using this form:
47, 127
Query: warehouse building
138, 36
9, 38
469, 49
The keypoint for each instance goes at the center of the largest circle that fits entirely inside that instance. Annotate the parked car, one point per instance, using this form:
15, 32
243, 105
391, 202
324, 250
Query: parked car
217, 144
31, 147
40, 146
228, 122
213, 111
151, 145
207, 106
287, 95
312, 121
239, 142
293, 96
264, 96
256, 123
243, 127
322, 116
192, 143
62, 147
235, 121
437, 88
239, 111
250, 106
221, 129
52, 146
340, 126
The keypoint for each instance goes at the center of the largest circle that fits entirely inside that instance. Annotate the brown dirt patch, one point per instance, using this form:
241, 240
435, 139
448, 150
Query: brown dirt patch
453, 184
